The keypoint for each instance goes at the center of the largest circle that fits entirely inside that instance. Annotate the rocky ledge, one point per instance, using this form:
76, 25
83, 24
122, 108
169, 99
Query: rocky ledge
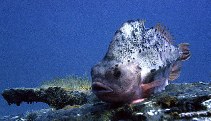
187, 101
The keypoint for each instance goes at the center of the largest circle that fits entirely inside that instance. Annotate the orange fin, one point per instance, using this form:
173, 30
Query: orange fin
175, 71
150, 87
164, 32
185, 51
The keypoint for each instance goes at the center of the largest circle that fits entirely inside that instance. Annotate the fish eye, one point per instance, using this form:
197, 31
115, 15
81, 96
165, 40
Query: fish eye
117, 73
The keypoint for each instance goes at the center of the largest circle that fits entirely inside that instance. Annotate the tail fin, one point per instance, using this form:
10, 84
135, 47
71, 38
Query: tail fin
184, 47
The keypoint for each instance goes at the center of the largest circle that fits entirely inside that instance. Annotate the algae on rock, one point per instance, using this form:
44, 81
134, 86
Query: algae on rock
71, 82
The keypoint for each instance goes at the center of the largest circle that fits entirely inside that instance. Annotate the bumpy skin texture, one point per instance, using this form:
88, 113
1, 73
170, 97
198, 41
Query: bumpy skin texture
138, 62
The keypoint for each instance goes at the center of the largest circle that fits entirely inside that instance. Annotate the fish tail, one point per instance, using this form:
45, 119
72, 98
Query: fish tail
185, 51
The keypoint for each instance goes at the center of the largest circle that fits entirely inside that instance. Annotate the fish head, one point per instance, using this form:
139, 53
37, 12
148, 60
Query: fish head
116, 82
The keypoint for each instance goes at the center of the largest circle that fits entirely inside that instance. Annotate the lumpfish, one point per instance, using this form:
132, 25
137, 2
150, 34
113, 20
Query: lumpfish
139, 62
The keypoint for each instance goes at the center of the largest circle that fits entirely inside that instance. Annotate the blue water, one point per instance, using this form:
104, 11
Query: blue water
43, 39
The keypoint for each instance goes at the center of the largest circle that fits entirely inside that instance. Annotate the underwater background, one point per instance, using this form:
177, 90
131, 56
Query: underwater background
43, 39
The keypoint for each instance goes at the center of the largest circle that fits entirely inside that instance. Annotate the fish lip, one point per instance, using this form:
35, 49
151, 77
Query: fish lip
100, 88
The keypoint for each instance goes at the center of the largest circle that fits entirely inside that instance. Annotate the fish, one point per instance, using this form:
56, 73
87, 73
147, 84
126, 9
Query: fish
139, 62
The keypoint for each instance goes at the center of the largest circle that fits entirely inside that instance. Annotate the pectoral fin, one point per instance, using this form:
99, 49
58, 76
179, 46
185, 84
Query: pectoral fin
150, 87
175, 71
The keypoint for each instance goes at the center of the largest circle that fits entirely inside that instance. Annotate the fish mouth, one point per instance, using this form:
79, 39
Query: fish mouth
100, 88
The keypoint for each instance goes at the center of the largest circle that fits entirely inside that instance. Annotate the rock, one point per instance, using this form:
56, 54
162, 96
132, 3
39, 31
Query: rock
187, 101
55, 97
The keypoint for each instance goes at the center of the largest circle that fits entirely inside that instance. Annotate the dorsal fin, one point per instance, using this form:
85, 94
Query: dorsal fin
164, 32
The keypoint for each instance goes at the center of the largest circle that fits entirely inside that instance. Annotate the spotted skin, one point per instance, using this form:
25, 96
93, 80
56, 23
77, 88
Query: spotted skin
139, 62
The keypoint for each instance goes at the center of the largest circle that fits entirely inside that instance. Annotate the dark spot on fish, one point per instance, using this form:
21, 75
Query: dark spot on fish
128, 60
153, 63
153, 70
133, 58
139, 51
130, 21
123, 38
107, 57
163, 31
134, 35
117, 73
116, 65
139, 67
118, 31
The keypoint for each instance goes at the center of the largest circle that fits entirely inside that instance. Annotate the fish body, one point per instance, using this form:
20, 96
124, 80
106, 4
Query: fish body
139, 62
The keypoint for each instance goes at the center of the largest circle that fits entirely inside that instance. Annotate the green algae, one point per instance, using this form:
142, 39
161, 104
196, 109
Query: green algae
167, 101
71, 82
71, 107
